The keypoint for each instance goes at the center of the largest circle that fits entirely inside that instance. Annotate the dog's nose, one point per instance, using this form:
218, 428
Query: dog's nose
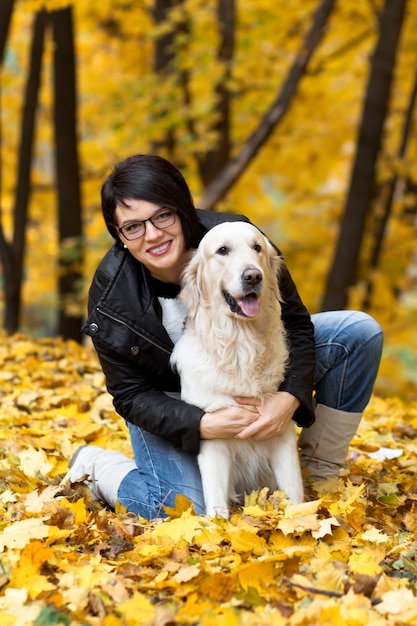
252, 276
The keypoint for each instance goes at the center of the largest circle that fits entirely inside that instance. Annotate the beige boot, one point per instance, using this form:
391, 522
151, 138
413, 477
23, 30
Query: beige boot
324, 445
105, 470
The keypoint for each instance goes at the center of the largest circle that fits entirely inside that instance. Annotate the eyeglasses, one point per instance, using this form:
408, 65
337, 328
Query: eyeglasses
163, 219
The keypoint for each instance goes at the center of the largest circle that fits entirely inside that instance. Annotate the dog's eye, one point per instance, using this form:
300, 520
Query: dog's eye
257, 247
223, 251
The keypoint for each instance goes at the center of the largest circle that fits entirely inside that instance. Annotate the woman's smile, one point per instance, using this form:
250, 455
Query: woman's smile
160, 249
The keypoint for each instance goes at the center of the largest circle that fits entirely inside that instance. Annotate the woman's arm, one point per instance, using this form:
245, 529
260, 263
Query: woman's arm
137, 400
300, 336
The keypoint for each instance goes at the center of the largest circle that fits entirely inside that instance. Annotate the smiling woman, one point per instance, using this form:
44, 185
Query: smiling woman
153, 236
136, 317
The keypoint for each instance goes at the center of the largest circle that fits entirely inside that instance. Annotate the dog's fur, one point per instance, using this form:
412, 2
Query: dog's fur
234, 345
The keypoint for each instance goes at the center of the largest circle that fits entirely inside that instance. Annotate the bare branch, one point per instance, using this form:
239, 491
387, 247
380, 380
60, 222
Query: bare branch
230, 174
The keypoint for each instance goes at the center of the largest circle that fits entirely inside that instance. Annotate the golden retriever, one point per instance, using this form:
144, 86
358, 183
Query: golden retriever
234, 345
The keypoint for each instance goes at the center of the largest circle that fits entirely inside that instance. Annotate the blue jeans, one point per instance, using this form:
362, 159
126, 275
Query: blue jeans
348, 351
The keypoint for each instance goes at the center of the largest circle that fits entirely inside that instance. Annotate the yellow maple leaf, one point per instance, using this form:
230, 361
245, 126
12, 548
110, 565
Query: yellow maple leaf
346, 503
254, 510
34, 462
194, 607
217, 586
398, 602
210, 539
35, 501
182, 504
258, 575
181, 528
243, 541
7, 496
148, 550
57, 534
186, 573
304, 508
26, 573
137, 607
78, 509
86, 431
325, 527
299, 518
374, 535
19, 534
299, 525
13, 609
74, 594
366, 561
279, 541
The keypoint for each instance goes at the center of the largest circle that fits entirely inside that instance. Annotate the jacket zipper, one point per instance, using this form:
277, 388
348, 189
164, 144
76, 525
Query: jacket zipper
115, 319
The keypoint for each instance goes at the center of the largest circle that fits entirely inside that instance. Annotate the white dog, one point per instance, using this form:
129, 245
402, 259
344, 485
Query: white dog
234, 345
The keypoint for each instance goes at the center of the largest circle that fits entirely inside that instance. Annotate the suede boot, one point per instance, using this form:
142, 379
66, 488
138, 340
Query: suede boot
105, 470
324, 445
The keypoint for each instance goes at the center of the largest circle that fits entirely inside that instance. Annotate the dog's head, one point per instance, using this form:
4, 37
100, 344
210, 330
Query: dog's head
231, 270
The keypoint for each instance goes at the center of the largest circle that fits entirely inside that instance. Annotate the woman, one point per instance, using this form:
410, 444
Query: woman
135, 319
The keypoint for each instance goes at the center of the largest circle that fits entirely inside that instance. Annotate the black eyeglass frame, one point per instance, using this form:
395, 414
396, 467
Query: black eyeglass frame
149, 219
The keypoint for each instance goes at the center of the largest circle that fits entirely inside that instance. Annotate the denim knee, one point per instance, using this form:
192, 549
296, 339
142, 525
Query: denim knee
348, 352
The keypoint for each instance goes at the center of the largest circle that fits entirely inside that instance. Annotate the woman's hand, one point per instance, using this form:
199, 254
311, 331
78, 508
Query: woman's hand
274, 414
228, 422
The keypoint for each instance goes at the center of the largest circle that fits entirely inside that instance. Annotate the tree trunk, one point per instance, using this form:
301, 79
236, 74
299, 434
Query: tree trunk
230, 174
67, 171
390, 194
359, 200
163, 61
215, 160
6, 9
12, 254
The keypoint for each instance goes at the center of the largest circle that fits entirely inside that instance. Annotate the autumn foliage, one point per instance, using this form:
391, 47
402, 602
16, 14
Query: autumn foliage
195, 83
345, 557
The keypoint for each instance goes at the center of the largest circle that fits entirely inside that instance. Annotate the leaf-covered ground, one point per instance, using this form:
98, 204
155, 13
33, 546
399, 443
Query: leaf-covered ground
346, 557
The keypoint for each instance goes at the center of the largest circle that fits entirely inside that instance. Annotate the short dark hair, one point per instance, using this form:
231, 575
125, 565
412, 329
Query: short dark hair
154, 179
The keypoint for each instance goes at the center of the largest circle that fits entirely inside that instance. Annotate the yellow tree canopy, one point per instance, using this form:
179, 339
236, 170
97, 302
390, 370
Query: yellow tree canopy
294, 189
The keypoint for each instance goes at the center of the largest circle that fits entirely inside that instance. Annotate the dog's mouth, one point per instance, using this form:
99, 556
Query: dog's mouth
247, 306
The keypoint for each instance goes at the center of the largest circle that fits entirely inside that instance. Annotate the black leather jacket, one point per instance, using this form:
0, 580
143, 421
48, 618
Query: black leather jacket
134, 348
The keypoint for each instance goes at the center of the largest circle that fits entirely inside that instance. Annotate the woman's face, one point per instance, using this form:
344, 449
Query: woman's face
162, 251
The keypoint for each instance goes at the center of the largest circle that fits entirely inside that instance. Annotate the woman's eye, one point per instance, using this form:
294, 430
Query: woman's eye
161, 217
131, 228
223, 251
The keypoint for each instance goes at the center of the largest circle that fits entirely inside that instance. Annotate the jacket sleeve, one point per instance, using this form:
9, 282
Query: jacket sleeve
137, 400
300, 337
138, 394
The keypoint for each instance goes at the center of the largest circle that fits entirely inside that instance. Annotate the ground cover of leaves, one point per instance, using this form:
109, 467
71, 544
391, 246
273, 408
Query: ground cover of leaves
346, 557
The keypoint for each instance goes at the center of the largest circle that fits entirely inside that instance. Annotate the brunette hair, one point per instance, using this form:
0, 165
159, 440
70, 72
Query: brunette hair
154, 179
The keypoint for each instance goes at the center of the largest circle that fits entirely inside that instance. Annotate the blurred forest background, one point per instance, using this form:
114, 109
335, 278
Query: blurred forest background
301, 115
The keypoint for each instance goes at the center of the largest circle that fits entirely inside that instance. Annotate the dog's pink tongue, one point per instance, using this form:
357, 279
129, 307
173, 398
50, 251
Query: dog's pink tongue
249, 305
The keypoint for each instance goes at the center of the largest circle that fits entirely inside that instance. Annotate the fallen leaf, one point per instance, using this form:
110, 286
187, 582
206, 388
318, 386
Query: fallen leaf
367, 561
139, 606
183, 528
34, 462
36, 500
18, 535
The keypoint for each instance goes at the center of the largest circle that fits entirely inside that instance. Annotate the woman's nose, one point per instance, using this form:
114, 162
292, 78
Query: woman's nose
151, 231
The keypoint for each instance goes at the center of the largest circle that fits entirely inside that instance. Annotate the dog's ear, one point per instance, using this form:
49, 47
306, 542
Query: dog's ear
190, 284
274, 260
